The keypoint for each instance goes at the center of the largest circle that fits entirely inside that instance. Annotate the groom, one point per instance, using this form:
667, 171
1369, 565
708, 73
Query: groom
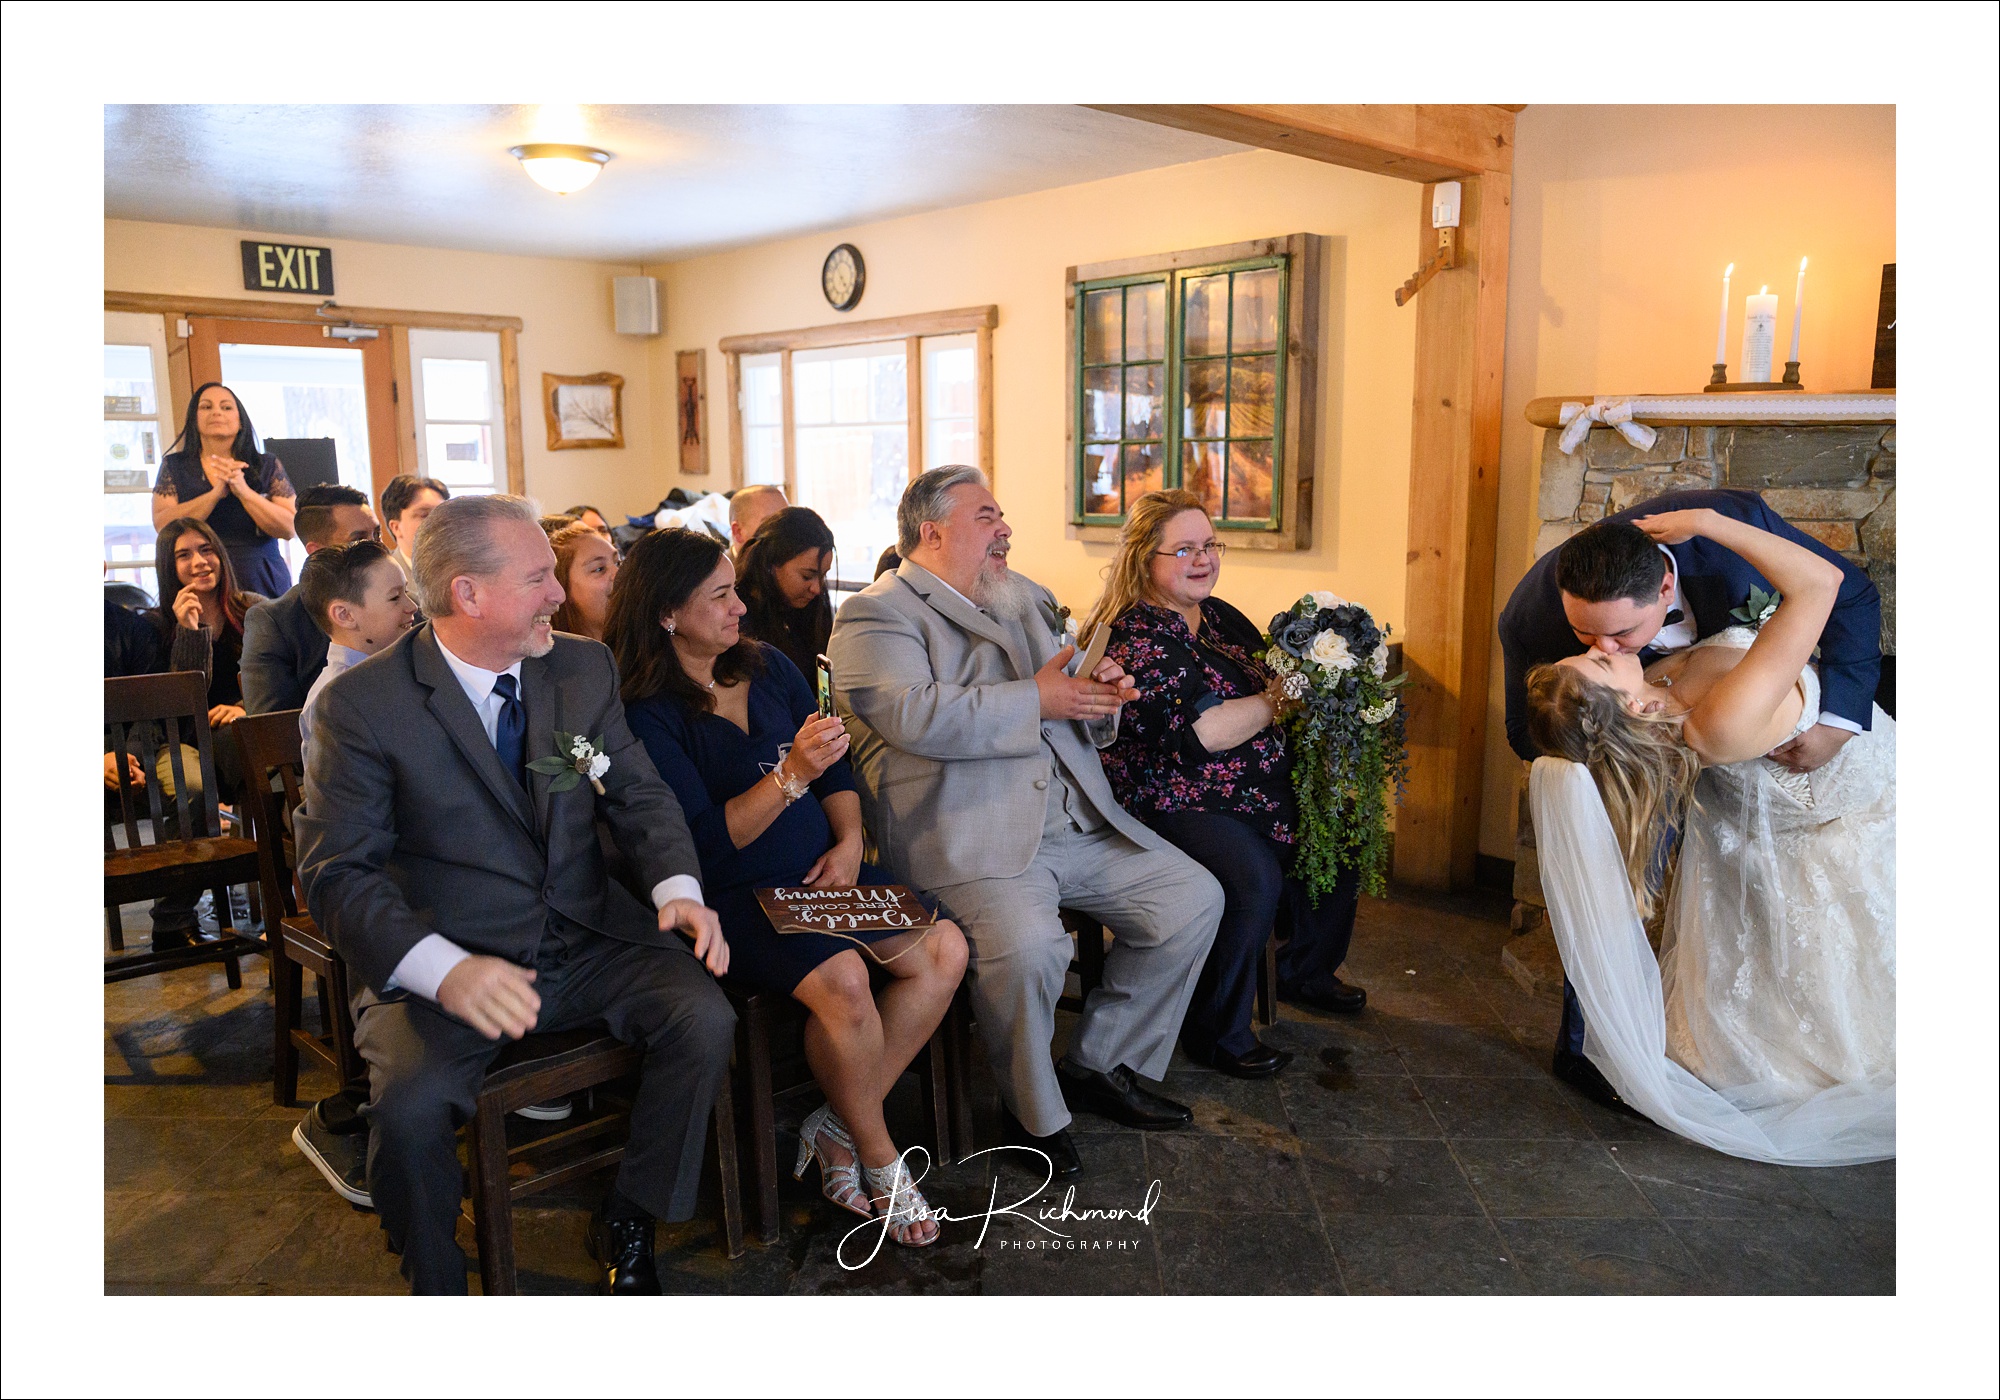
1611, 588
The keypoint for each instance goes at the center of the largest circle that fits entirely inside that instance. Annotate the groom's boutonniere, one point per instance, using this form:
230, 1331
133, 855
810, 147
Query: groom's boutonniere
1758, 609
1061, 624
576, 758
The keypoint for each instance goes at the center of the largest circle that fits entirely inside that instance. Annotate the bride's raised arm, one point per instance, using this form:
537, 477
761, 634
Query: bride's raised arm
1732, 721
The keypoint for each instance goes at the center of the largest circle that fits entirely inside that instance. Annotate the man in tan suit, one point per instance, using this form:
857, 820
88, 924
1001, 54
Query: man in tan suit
975, 752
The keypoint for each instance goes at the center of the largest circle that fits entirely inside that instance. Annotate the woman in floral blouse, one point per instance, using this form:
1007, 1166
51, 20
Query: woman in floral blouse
1202, 759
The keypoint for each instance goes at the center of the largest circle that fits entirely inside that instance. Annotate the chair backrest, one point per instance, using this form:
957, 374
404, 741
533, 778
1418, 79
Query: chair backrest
177, 701
273, 771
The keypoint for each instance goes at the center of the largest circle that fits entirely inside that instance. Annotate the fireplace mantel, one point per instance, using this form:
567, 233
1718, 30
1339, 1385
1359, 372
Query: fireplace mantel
1855, 406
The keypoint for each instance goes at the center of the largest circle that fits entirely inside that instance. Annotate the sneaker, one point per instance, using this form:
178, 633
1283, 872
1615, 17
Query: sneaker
342, 1158
554, 1111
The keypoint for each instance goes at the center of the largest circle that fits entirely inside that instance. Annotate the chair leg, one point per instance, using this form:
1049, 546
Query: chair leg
1267, 983
958, 1059
728, 1171
114, 928
492, 1205
1089, 955
325, 1006
232, 963
936, 1082
287, 981
754, 1048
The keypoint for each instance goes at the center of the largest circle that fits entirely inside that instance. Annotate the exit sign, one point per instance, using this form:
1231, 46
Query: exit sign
287, 267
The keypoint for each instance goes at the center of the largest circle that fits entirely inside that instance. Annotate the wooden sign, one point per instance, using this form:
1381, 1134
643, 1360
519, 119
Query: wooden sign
287, 267
857, 909
691, 382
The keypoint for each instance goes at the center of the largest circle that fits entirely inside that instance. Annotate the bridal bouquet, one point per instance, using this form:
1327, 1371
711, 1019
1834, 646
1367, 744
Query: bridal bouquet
1347, 737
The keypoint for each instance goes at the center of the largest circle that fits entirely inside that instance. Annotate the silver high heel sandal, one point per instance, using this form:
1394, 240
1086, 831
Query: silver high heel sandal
838, 1182
893, 1184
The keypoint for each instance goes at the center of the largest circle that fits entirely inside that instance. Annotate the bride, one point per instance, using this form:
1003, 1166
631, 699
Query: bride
1767, 1028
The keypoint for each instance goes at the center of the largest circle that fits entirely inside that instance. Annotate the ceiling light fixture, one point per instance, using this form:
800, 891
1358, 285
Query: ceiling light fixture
561, 168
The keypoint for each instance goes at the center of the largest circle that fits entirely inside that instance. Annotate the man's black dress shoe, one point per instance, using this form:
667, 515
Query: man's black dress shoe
1260, 1062
1578, 1072
1058, 1146
1117, 1095
625, 1249
1330, 995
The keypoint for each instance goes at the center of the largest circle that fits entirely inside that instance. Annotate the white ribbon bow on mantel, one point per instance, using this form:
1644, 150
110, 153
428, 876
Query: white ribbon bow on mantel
1577, 419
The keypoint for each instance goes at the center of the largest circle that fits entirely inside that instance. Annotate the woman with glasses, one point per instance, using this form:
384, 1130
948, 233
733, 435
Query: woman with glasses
1201, 758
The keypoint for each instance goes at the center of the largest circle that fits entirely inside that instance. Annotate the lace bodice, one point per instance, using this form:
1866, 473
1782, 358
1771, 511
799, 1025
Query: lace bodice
1798, 785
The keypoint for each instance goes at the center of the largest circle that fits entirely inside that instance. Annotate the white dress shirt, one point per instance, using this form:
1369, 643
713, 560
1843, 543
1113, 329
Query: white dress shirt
423, 968
338, 659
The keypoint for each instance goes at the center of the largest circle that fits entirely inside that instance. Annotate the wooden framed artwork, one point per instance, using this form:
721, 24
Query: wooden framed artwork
584, 410
691, 396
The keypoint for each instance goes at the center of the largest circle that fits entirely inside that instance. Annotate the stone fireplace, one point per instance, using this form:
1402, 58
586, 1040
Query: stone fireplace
1833, 476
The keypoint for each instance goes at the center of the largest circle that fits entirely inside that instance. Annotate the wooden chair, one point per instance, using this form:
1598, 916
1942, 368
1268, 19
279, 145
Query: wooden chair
273, 768
541, 1067
943, 1070
1089, 966
150, 864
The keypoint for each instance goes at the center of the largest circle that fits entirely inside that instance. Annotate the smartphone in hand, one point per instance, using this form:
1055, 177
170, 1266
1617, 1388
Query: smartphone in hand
824, 673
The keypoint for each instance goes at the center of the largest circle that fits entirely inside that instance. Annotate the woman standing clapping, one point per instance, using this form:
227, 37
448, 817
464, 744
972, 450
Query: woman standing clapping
217, 474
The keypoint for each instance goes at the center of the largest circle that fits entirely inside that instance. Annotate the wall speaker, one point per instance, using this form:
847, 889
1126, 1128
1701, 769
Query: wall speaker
635, 305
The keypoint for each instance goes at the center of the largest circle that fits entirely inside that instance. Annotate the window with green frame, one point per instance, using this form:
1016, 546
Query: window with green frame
1181, 383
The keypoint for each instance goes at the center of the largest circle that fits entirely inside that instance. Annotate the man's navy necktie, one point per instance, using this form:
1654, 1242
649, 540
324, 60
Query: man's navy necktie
510, 735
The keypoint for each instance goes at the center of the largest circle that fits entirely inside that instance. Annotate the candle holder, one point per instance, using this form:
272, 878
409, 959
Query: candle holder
1792, 375
1718, 382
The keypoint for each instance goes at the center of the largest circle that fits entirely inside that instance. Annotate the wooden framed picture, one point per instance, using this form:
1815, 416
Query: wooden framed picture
584, 410
691, 396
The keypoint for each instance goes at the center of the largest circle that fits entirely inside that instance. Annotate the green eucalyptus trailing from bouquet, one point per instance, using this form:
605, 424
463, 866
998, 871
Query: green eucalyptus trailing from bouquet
1348, 748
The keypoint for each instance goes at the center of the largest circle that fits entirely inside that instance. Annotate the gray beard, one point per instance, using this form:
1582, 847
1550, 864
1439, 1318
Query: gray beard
1007, 596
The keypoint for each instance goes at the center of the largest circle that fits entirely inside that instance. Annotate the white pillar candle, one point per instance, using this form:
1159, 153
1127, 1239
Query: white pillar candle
1798, 310
1722, 326
1760, 329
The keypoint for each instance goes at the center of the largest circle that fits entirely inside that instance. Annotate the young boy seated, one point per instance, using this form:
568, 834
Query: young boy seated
359, 597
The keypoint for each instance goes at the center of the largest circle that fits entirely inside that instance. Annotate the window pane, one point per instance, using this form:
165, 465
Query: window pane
1144, 391
1249, 481
1253, 396
131, 452
851, 401
304, 391
1207, 409
954, 442
459, 454
951, 376
1201, 473
1146, 321
763, 389
854, 476
457, 389
1100, 479
1205, 315
888, 388
763, 456
1145, 470
128, 379
1256, 311
1100, 403
1102, 326
812, 391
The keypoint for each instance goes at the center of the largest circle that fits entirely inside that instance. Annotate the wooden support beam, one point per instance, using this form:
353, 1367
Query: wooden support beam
1454, 511
1412, 141
250, 309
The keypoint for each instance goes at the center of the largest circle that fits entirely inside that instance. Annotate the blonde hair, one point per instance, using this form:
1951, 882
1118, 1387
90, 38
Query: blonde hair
1128, 578
1644, 773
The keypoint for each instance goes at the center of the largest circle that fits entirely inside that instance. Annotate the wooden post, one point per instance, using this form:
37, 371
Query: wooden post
510, 395
404, 378
1454, 506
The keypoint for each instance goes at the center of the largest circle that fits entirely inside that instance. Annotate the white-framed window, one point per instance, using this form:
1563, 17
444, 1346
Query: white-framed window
951, 400
763, 420
139, 426
460, 416
850, 425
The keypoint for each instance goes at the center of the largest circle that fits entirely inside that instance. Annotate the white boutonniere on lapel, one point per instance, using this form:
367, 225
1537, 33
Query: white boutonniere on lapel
1061, 625
575, 759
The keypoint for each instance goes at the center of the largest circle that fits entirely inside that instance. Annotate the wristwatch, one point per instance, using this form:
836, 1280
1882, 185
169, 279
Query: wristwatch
792, 788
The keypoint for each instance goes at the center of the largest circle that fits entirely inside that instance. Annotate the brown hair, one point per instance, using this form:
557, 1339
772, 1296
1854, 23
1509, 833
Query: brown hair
234, 602
565, 542
1643, 771
660, 574
1128, 578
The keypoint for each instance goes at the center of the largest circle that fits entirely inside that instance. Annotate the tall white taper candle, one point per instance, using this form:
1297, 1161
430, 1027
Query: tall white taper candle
1798, 311
1722, 327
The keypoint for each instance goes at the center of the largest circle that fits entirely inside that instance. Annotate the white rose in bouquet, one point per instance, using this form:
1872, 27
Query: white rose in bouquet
1330, 650
1379, 662
1325, 598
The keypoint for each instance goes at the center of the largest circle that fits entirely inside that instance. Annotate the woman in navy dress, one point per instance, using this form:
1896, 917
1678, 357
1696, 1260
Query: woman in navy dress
764, 783
217, 474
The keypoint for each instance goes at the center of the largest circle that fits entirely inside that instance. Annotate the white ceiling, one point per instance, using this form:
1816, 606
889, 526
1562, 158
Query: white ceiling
683, 179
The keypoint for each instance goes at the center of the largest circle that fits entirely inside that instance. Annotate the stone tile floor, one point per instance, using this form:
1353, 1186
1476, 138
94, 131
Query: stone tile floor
1421, 1147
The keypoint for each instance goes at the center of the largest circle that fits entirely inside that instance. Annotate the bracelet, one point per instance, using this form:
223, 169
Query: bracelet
791, 788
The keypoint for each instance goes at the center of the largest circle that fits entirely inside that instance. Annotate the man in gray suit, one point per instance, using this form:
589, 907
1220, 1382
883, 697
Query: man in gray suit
976, 755
470, 897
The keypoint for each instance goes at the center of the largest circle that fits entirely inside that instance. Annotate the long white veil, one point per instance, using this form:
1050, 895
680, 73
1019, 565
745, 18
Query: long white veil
1617, 980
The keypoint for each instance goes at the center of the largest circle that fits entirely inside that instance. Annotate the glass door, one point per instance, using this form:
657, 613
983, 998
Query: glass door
138, 425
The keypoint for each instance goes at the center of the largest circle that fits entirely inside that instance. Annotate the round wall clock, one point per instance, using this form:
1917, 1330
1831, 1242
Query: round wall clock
842, 277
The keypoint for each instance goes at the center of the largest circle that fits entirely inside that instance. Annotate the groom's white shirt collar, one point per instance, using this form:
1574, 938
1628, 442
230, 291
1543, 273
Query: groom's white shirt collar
1677, 635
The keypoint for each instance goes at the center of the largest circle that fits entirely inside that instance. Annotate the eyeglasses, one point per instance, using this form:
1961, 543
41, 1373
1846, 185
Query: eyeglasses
1214, 549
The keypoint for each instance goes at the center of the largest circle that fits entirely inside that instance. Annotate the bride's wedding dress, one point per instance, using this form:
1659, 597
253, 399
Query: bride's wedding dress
1767, 1026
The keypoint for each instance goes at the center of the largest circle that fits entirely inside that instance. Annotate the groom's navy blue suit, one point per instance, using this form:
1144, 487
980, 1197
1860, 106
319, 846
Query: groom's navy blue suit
1713, 580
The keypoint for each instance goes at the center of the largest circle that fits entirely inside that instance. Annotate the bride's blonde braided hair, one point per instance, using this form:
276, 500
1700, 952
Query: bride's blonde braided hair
1644, 773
